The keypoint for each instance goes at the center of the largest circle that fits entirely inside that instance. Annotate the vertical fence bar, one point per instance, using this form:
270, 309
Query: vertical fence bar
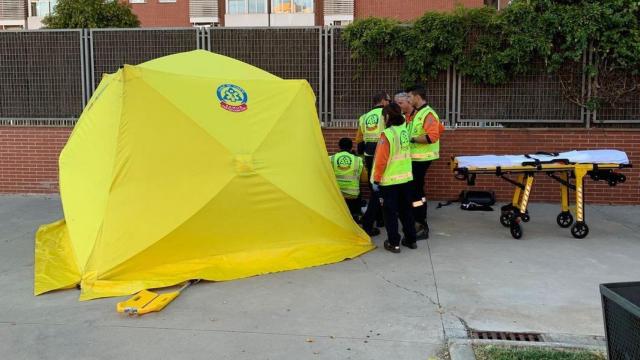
590, 62
92, 61
320, 78
83, 68
448, 114
458, 97
325, 117
332, 74
582, 92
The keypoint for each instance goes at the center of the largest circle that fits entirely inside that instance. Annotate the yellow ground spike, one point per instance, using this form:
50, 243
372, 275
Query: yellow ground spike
147, 301
138, 301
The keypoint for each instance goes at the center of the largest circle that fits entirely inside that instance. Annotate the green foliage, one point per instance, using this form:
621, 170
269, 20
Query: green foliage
74, 14
502, 353
490, 47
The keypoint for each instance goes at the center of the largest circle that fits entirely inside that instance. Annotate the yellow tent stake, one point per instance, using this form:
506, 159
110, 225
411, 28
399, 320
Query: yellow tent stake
147, 301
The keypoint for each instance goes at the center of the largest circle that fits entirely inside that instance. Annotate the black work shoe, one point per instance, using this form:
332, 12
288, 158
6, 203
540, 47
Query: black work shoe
373, 232
389, 247
380, 223
422, 232
410, 244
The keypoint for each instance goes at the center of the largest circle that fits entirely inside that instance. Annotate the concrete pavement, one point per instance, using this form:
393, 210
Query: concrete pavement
379, 306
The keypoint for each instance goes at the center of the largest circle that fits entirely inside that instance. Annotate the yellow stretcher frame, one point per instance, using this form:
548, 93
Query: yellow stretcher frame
513, 214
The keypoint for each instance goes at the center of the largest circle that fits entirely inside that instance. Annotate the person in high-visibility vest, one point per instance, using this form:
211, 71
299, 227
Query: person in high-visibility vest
349, 171
425, 128
370, 126
408, 110
393, 177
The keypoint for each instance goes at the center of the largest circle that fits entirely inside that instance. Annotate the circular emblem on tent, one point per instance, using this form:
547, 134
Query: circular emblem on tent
371, 122
232, 97
344, 162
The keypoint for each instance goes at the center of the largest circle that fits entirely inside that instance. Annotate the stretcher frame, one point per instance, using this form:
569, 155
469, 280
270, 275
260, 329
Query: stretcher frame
561, 170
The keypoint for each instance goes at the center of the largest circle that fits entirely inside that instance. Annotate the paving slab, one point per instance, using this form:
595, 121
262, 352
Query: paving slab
377, 306
546, 282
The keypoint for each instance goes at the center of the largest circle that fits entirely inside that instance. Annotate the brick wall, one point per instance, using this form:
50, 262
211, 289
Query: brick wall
407, 9
441, 184
28, 159
153, 13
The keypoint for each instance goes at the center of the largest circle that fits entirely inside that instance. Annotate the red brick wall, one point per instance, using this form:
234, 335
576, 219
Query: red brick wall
28, 159
156, 14
407, 9
441, 184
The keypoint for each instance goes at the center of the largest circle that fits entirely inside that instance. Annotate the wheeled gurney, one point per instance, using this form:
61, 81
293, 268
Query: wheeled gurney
562, 167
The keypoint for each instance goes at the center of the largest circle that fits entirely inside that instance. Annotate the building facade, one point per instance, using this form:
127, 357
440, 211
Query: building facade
244, 13
13, 14
162, 13
406, 10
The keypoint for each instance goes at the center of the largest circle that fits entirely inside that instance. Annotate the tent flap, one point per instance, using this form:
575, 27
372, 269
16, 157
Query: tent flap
55, 263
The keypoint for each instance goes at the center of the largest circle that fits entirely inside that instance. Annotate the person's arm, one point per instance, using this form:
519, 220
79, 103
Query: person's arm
432, 131
364, 175
359, 141
381, 158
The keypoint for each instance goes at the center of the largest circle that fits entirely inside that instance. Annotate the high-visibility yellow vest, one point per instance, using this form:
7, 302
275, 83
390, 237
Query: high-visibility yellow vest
423, 152
347, 168
371, 125
398, 170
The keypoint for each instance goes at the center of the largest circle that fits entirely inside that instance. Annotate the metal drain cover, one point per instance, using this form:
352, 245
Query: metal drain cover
503, 335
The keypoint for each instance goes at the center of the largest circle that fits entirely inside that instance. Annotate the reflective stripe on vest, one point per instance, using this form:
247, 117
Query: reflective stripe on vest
423, 152
398, 170
347, 168
371, 125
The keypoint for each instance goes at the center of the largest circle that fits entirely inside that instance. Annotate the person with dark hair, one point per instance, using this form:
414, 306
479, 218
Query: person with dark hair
370, 126
349, 171
392, 177
425, 129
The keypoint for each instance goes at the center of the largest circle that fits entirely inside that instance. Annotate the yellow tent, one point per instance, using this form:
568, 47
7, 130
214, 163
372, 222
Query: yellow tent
193, 166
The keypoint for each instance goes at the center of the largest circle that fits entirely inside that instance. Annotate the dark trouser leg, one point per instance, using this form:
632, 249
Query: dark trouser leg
419, 169
405, 197
354, 206
377, 215
390, 196
373, 207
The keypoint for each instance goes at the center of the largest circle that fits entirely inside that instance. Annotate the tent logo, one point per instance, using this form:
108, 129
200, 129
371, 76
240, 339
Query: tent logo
371, 122
232, 97
344, 162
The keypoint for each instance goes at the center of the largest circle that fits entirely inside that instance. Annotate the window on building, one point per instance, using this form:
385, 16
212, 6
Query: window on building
167, 1
136, 1
257, 7
246, 6
292, 6
42, 8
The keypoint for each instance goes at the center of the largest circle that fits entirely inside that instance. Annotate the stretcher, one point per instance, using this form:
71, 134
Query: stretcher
567, 168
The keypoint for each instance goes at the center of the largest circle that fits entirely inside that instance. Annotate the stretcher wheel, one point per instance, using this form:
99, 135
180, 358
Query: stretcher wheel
579, 230
525, 217
516, 230
564, 219
505, 219
621, 178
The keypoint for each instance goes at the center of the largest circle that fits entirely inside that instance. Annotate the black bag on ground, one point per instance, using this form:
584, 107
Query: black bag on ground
477, 200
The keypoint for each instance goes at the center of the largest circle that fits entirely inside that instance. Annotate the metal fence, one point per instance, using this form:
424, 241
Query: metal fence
41, 74
48, 76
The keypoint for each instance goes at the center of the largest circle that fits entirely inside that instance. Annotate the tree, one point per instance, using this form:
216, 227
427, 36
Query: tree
74, 14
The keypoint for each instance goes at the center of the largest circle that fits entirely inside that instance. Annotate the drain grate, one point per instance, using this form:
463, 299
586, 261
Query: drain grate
502, 335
